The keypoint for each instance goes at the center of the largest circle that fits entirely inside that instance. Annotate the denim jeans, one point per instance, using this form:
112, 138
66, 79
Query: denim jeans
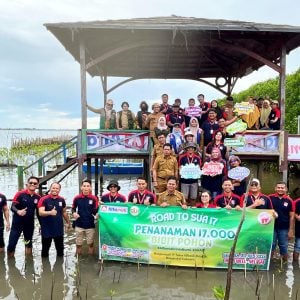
297, 245
280, 236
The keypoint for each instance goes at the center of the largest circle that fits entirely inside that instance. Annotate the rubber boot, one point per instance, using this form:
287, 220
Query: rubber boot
295, 256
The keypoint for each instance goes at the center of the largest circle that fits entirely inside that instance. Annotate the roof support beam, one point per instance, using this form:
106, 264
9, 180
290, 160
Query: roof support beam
253, 55
83, 85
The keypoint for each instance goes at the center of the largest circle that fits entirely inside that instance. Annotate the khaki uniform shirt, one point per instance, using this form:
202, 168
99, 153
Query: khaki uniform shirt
176, 199
165, 166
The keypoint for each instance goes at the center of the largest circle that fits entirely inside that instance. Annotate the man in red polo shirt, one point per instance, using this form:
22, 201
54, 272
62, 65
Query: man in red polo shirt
255, 198
24, 206
84, 210
284, 223
228, 199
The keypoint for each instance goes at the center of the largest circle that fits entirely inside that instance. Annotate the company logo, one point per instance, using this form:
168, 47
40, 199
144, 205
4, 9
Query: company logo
114, 209
264, 218
134, 211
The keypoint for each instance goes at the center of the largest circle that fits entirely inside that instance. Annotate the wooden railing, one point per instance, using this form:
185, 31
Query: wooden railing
59, 156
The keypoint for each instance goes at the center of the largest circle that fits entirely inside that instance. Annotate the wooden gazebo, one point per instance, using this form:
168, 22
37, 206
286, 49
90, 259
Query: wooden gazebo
177, 48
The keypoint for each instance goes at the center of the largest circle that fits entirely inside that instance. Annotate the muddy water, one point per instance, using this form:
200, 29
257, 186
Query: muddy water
86, 278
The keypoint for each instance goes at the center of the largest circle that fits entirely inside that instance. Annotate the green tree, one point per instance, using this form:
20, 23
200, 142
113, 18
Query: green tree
270, 88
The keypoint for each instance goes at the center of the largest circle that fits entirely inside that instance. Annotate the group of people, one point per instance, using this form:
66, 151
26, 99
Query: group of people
193, 135
265, 114
51, 211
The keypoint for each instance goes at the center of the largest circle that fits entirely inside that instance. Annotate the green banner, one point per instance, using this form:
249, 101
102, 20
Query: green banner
192, 237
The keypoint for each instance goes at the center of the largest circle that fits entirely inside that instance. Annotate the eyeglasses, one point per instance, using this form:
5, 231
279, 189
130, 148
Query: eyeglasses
233, 160
109, 104
33, 183
254, 184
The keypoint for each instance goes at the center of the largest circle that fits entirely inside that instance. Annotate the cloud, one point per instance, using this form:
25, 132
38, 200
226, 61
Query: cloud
16, 89
40, 81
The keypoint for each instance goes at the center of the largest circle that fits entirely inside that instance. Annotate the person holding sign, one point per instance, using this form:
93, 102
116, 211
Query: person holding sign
190, 172
228, 199
251, 117
141, 195
213, 173
239, 180
171, 197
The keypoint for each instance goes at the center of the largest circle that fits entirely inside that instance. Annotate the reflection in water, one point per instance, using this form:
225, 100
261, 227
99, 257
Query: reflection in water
72, 278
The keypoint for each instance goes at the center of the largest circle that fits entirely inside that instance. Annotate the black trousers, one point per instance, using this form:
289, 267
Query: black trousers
59, 245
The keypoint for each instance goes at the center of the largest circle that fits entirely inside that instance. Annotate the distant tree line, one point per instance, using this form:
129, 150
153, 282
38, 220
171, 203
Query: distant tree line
270, 89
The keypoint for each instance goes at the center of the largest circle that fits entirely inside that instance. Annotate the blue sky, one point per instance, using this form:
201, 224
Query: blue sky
40, 81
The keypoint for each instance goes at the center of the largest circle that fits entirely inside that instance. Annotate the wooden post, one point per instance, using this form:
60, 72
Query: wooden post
20, 178
282, 97
83, 85
282, 82
96, 176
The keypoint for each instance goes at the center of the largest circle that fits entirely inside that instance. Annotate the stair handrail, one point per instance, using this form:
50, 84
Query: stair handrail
46, 158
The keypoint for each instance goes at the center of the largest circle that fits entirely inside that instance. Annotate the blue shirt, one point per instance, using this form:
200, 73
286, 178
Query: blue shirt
86, 207
23, 199
52, 226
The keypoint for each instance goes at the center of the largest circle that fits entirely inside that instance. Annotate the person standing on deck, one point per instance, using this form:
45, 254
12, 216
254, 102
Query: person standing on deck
84, 210
164, 166
107, 115
125, 118
3, 211
165, 107
52, 212
24, 206
151, 121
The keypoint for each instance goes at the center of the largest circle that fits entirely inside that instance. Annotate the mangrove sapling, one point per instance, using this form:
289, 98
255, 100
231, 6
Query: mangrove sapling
196, 270
114, 277
232, 250
86, 291
112, 293
120, 272
52, 286
203, 256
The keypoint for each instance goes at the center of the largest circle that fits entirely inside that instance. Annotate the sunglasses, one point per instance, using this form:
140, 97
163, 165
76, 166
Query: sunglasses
254, 184
33, 183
